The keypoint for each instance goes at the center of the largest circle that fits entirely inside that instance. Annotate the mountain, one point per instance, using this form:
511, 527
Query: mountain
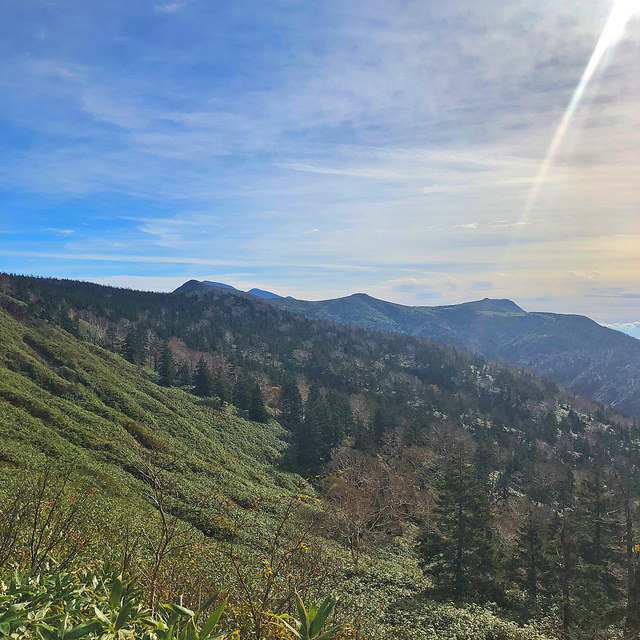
381, 441
261, 293
196, 285
572, 350
217, 284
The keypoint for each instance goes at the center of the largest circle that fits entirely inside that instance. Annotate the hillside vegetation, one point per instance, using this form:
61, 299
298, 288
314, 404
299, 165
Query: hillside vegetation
574, 351
447, 496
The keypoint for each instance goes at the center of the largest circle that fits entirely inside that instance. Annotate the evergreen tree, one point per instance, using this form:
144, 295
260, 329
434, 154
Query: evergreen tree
222, 389
183, 375
460, 551
598, 532
111, 339
134, 349
257, 410
242, 392
312, 448
565, 551
340, 418
549, 428
166, 367
203, 380
531, 558
484, 461
381, 421
363, 437
290, 405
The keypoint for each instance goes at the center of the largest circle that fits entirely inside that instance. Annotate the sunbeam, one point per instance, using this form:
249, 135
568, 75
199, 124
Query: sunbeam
621, 13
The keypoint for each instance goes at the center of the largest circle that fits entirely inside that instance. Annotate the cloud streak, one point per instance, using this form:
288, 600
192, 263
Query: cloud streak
377, 138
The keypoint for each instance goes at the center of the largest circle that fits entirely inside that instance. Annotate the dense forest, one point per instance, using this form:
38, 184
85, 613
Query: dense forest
440, 494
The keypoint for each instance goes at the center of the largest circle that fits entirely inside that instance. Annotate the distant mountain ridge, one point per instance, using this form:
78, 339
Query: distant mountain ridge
593, 361
197, 285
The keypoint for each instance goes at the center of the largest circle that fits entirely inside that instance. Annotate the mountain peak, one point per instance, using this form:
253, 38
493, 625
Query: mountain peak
196, 285
493, 305
218, 284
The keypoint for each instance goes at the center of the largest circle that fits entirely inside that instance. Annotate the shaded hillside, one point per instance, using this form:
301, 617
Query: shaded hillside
591, 360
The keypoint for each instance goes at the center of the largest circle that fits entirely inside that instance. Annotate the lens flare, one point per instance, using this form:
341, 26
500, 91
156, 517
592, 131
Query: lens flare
621, 13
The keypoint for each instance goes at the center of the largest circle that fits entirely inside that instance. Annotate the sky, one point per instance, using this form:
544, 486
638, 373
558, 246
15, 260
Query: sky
409, 150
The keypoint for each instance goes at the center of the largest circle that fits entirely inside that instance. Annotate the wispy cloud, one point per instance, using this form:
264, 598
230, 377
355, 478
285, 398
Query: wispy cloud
226, 137
168, 7
631, 328
63, 232
470, 225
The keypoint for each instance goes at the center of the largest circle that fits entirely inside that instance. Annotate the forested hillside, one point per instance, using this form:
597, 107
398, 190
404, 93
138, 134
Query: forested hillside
446, 496
574, 351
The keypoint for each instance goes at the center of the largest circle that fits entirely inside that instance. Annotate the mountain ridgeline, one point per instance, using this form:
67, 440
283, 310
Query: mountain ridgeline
593, 361
443, 481
572, 350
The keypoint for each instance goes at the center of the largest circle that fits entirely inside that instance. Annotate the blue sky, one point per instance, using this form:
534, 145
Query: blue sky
322, 148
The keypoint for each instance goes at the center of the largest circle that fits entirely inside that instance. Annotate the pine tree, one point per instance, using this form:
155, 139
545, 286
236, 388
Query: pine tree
183, 375
222, 389
567, 564
290, 405
381, 421
313, 449
167, 367
134, 349
203, 380
531, 558
256, 409
242, 392
598, 583
460, 550
111, 339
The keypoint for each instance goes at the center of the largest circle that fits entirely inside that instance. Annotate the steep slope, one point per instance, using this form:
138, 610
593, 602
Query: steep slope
383, 419
591, 360
65, 399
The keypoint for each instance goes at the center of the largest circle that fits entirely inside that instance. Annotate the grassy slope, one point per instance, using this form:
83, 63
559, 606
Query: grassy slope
68, 400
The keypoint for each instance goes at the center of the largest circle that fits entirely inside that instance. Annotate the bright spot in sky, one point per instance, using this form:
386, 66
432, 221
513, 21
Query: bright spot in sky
621, 13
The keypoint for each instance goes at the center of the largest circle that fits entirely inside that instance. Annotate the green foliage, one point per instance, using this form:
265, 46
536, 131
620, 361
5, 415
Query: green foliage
203, 380
86, 604
401, 401
167, 372
256, 408
460, 551
309, 623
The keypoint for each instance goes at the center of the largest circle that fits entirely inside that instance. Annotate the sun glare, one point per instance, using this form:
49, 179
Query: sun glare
621, 13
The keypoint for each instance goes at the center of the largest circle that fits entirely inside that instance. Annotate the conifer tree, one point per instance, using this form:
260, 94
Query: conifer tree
257, 410
242, 392
183, 375
134, 349
203, 380
111, 339
532, 560
313, 450
221, 388
567, 565
291, 405
166, 367
598, 532
460, 550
